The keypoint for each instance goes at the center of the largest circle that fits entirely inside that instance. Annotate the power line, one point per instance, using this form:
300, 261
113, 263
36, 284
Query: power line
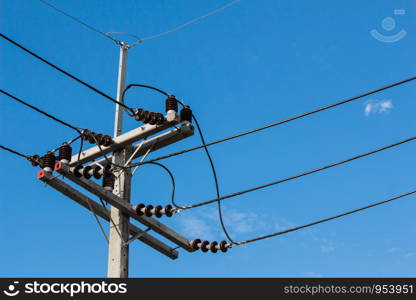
66, 73
324, 220
155, 36
284, 121
14, 152
77, 129
32, 159
81, 22
300, 175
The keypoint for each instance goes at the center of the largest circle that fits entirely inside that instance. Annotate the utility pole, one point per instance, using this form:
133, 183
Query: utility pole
118, 249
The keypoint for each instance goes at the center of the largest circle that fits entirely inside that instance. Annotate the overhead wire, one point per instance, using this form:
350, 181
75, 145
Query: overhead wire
66, 73
107, 35
284, 121
77, 129
299, 175
176, 28
28, 157
324, 220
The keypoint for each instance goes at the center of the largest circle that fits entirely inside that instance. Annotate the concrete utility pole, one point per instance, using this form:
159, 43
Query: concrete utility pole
118, 249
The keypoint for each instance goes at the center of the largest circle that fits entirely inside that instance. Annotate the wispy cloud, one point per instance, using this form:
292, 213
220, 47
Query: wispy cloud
197, 228
377, 107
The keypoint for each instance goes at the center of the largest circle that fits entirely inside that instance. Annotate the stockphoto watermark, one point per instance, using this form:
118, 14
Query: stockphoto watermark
390, 33
64, 288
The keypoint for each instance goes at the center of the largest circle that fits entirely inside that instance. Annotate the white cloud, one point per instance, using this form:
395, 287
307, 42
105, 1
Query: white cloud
377, 107
327, 249
196, 228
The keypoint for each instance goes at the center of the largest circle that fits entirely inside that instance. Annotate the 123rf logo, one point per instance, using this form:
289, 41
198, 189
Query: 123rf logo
70, 289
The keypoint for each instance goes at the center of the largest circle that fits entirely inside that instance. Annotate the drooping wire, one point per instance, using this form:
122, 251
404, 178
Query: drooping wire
107, 35
172, 179
283, 121
301, 174
176, 28
66, 73
214, 173
217, 189
77, 129
324, 220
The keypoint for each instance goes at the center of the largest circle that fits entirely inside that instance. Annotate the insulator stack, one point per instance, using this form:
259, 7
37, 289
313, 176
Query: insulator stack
149, 210
65, 153
186, 114
96, 138
48, 162
171, 103
206, 246
108, 180
148, 117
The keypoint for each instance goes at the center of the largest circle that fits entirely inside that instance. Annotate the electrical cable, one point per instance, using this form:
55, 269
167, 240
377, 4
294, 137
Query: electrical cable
77, 129
66, 73
323, 220
284, 121
300, 175
155, 36
28, 157
107, 35
217, 189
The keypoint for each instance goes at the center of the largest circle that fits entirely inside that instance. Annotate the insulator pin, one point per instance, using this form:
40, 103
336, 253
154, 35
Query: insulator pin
65, 153
186, 114
171, 103
48, 162
108, 180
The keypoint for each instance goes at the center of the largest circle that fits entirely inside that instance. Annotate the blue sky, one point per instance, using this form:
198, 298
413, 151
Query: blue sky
252, 64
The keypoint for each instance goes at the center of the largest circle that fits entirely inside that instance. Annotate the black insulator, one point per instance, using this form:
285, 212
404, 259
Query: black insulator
168, 210
158, 211
107, 140
65, 152
91, 138
35, 160
48, 160
139, 209
213, 247
148, 210
153, 118
86, 172
160, 119
108, 179
146, 116
96, 172
186, 114
99, 138
195, 243
77, 171
85, 134
204, 247
171, 103
223, 246
138, 114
